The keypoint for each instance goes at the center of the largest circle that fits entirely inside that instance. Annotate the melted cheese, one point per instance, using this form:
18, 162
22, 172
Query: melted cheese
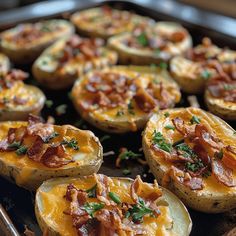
53, 215
110, 114
222, 131
18, 90
87, 142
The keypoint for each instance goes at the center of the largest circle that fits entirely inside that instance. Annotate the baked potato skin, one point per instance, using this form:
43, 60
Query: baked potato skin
55, 80
129, 55
204, 201
225, 110
28, 53
120, 126
31, 177
22, 112
183, 72
179, 213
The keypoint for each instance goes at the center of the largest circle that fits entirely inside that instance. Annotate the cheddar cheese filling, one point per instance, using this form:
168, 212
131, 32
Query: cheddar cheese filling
106, 206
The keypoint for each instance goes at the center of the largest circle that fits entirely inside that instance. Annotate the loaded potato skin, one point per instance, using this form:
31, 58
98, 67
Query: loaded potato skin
151, 44
33, 152
69, 58
200, 64
151, 210
104, 22
192, 153
25, 42
121, 99
17, 99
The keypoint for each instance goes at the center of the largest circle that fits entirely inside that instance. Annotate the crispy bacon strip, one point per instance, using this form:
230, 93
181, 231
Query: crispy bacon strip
222, 173
16, 134
103, 188
55, 157
37, 149
182, 127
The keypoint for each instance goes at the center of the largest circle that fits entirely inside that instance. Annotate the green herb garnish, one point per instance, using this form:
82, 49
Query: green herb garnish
51, 136
126, 171
206, 74
61, 109
14, 145
195, 120
48, 103
126, 155
186, 150
92, 207
120, 113
73, 143
138, 211
21, 150
160, 142
115, 198
166, 114
92, 191
194, 167
170, 127
142, 39
163, 65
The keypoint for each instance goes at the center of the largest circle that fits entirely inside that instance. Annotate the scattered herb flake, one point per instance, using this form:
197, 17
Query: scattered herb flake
73, 143
163, 65
120, 113
14, 145
166, 114
195, 120
92, 207
21, 150
126, 171
126, 155
104, 138
48, 103
159, 140
61, 109
170, 127
115, 198
51, 136
92, 191
142, 39
206, 74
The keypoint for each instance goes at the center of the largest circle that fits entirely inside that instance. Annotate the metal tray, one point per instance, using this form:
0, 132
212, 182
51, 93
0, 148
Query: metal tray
18, 202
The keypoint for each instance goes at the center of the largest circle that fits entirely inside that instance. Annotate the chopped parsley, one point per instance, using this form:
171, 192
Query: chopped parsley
126, 155
51, 136
160, 142
166, 114
195, 120
115, 198
61, 109
21, 150
126, 171
142, 39
73, 143
206, 74
170, 127
14, 145
163, 65
48, 103
194, 167
92, 191
186, 150
138, 211
92, 207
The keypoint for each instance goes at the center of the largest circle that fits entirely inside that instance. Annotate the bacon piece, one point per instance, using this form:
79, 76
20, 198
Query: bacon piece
35, 152
202, 154
181, 127
229, 157
194, 183
103, 188
222, 173
177, 36
148, 192
54, 157
144, 100
16, 134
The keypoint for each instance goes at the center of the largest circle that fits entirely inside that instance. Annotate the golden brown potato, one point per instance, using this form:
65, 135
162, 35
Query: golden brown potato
67, 59
151, 44
192, 153
25, 42
122, 98
33, 152
51, 205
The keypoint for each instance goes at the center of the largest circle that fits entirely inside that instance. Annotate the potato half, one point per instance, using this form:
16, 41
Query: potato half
173, 219
4, 64
203, 177
20, 100
67, 59
202, 63
121, 99
151, 44
104, 22
26, 171
24, 43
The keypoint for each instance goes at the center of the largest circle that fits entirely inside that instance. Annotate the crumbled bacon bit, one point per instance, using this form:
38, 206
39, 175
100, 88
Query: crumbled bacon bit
37, 149
54, 157
222, 173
